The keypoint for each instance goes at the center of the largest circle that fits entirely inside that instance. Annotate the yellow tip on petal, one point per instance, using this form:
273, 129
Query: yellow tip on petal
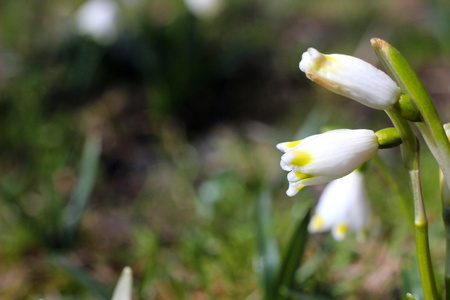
302, 176
316, 223
301, 158
340, 231
291, 145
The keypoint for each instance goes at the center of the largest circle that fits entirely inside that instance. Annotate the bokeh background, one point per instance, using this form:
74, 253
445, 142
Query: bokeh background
142, 133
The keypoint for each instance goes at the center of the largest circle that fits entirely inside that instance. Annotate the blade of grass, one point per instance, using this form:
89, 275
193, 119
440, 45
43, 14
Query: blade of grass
79, 275
85, 182
292, 258
267, 245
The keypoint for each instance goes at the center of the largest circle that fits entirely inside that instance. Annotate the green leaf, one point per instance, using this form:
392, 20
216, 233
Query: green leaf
85, 182
410, 280
267, 245
294, 254
79, 275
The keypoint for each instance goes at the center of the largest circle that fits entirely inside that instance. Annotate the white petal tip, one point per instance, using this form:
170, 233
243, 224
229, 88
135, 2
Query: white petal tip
294, 188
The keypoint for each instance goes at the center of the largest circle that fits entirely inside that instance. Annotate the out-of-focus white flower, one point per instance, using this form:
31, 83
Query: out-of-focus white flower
98, 19
342, 207
204, 9
351, 77
447, 129
123, 289
324, 157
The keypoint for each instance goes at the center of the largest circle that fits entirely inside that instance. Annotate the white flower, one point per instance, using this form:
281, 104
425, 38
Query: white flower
447, 129
342, 207
324, 157
204, 9
351, 77
98, 19
123, 289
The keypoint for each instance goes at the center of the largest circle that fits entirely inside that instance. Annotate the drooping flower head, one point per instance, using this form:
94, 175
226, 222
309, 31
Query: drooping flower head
342, 207
351, 77
324, 157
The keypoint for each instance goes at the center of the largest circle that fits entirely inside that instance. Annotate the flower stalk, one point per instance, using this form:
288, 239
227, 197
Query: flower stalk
430, 125
405, 100
411, 154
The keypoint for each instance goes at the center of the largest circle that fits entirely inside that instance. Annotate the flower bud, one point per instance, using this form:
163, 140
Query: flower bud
351, 77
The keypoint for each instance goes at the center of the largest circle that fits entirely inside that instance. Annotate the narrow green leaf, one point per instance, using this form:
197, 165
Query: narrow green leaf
410, 280
80, 276
294, 254
267, 245
85, 182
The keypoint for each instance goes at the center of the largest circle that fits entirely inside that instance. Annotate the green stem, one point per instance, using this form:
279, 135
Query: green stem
410, 154
429, 123
430, 126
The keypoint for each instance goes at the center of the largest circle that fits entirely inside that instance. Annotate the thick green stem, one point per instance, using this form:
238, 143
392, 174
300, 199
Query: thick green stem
428, 123
422, 246
430, 126
410, 154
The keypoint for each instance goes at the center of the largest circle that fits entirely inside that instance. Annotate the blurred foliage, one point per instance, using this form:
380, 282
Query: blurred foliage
188, 111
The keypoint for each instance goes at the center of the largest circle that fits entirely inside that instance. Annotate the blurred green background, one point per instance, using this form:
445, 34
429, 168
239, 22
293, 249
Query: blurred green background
151, 141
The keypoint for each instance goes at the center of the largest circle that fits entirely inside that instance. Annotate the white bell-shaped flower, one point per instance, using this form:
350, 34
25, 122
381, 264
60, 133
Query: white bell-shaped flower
342, 207
351, 77
98, 19
204, 9
324, 157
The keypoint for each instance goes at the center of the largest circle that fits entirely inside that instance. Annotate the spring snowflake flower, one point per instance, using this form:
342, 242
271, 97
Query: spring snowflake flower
342, 207
98, 19
324, 157
204, 9
351, 77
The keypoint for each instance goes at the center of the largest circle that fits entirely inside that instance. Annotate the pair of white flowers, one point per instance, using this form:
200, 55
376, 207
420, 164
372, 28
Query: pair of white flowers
335, 155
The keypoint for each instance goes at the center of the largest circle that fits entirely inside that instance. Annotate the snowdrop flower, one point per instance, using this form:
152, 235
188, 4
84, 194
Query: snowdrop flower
123, 289
351, 77
342, 207
98, 19
324, 157
204, 9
